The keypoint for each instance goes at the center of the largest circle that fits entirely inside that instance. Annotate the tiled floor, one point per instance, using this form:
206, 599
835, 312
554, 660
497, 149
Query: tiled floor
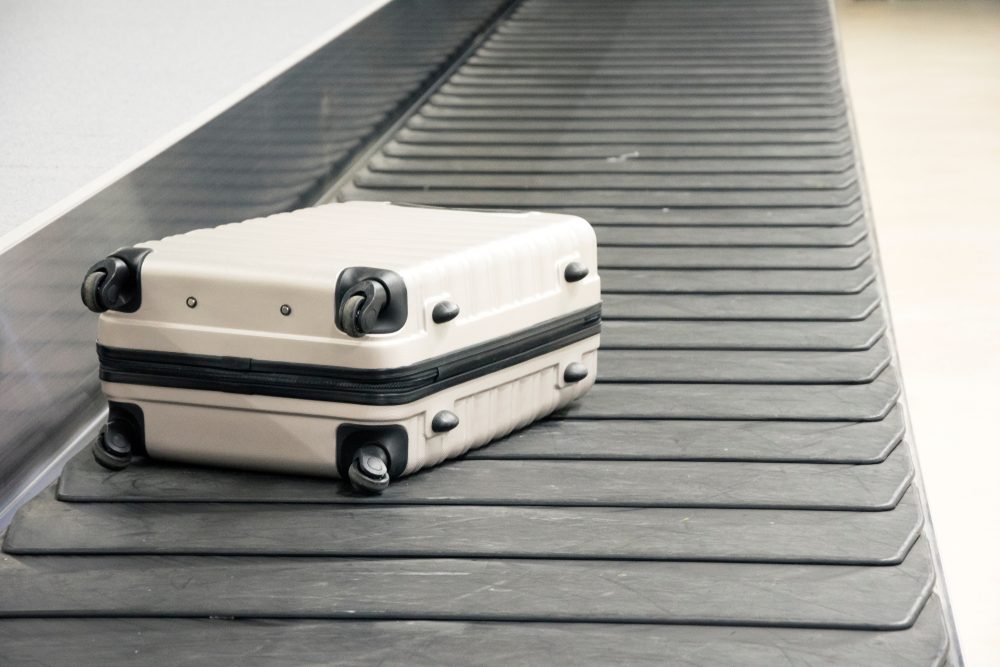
924, 79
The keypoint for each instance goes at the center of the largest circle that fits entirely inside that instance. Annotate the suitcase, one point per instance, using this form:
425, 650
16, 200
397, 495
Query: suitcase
360, 340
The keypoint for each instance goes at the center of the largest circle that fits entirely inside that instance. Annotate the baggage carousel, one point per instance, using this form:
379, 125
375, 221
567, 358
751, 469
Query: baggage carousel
738, 488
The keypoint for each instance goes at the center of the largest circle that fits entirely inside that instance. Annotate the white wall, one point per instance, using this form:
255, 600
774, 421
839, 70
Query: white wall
86, 85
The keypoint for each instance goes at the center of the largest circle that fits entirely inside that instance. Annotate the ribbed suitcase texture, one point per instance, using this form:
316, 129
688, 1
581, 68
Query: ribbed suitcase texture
253, 345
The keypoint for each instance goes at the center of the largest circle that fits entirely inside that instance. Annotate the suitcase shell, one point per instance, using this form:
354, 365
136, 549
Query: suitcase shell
223, 347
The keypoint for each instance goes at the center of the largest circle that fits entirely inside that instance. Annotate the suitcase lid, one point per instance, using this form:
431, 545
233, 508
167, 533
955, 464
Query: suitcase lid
270, 288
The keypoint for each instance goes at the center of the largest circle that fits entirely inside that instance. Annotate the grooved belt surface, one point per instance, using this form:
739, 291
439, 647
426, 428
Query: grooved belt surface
738, 488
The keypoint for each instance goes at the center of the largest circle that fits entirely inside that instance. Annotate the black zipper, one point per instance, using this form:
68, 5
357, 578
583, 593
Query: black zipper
391, 386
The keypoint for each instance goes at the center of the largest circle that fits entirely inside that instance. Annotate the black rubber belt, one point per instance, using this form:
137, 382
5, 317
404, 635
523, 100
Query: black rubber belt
737, 489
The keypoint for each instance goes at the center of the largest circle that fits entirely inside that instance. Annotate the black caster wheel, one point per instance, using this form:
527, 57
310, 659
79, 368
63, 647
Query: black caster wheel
112, 450
89, 291
361, 308
369, 471
349, 316
110, 285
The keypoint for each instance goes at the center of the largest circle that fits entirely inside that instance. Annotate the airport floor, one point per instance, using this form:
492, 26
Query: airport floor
924, 82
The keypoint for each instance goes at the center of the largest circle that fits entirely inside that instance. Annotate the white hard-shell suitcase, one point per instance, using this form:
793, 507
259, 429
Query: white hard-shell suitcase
359, 340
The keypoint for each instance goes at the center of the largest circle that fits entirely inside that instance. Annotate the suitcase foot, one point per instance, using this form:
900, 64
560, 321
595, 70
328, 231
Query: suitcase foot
369, 471
112, 449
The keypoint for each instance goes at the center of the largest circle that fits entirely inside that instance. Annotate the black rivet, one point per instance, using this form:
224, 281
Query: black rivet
444, 312
444, 421
575, 272
575, 372
191, 302
286, 310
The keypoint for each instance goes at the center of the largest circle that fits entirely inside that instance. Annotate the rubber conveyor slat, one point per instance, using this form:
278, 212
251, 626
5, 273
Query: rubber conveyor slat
450, 643
747, 335
534, 482
726, 280
736, 489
